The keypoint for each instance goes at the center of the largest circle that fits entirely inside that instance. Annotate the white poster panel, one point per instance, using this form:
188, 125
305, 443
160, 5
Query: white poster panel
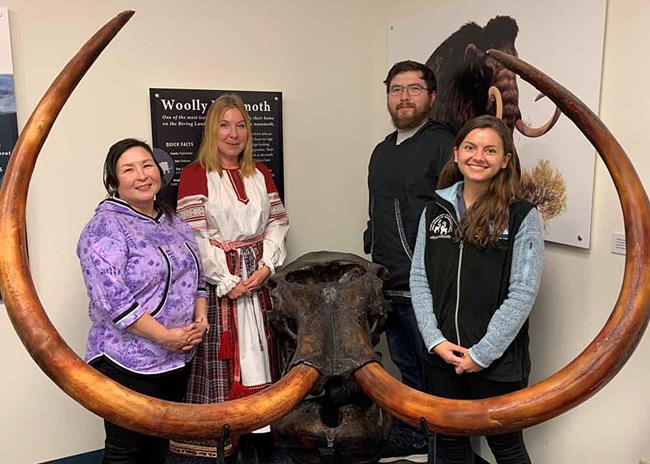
564, 40
6, 66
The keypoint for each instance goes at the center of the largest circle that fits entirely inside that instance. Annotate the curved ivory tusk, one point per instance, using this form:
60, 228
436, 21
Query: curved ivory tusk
533, 132
495, 94
91, 389
604, 356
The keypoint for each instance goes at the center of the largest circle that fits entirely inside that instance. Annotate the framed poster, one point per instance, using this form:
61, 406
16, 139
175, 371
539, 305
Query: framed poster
177, 122
564, 40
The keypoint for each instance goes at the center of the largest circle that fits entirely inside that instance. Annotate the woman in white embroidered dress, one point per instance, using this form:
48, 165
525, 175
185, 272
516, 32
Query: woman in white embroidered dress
240, 224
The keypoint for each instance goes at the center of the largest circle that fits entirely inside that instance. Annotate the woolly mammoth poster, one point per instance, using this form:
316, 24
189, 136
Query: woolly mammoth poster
564, 40
178, 119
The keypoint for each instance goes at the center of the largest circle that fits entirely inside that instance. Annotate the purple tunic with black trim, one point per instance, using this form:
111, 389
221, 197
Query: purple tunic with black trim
133, 264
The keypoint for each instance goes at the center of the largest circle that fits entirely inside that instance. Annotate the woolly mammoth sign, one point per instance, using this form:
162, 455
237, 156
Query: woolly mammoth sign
564, 38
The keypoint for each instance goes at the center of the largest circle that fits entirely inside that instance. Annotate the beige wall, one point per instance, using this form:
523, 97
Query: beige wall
329, 59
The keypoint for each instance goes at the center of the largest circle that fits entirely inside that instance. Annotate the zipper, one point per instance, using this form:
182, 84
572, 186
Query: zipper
400, 230
460, 262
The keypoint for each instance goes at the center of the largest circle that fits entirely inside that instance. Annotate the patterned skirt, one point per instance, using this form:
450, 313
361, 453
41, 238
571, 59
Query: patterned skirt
215, 373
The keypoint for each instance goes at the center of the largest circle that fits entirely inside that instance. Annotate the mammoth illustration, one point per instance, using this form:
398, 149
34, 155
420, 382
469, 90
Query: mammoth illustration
471, 83
580, 379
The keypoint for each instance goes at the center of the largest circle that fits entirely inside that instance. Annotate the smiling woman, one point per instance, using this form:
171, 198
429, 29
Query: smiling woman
476, 270
241, 226
144, 280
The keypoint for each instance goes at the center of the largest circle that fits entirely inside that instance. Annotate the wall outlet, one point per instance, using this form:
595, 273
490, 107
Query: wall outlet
644, 461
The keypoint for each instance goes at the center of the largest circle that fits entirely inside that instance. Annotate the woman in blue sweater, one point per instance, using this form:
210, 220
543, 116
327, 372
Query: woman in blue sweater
476, 272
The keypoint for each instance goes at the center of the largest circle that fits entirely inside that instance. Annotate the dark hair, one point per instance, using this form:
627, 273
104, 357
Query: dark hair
488, 217
403, 66
110, 168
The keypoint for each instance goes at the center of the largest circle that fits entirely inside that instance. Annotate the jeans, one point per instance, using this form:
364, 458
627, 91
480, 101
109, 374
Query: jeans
508, 448
123, 446
405, 346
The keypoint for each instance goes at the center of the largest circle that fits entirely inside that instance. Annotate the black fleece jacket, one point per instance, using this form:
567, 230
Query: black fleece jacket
401, 180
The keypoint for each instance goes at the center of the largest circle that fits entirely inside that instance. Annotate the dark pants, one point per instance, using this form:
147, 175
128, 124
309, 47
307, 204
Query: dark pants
123, 446
508, 448
405, 346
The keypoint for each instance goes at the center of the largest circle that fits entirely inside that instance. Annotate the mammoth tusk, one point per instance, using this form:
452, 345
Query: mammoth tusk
495, 95
84, 384
533, 132
601, 359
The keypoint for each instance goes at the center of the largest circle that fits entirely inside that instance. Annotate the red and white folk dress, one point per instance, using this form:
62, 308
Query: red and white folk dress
240, 225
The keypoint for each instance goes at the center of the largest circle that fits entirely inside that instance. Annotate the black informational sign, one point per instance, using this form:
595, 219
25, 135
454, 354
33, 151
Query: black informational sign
8, 121
8, 124
177, 121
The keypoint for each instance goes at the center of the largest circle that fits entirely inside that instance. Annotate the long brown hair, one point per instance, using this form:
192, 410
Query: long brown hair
489, 215
208, 155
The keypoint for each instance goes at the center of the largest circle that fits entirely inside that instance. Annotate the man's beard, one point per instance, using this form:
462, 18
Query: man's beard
408, 122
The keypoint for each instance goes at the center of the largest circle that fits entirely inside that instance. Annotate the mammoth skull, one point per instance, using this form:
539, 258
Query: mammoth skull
335, 300
335, 303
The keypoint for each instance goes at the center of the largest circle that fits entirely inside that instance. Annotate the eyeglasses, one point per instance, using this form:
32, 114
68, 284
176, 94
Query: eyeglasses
413, 90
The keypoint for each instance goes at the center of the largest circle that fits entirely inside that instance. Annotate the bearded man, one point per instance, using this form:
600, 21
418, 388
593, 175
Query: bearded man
402, 177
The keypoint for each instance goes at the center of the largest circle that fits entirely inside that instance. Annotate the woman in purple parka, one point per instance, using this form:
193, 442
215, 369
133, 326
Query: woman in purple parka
143, 276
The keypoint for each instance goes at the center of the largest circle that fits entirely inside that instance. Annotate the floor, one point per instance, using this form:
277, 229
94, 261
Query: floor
280, 457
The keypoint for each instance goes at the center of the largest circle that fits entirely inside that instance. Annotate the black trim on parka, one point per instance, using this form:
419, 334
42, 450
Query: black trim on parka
401, 180
484, 280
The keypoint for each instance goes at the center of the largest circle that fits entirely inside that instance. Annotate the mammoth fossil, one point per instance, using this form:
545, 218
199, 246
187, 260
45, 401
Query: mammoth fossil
579, 380
336, 302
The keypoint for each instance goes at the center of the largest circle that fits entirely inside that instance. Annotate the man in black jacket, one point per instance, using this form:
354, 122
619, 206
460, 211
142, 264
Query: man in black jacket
402, 177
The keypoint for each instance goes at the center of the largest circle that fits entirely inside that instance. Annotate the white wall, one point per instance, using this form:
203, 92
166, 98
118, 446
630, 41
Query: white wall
329, 58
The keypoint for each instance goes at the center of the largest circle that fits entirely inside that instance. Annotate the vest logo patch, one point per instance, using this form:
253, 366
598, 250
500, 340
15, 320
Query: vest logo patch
441, 227
503, 235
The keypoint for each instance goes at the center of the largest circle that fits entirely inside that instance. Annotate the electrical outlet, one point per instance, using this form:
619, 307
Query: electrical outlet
644, 461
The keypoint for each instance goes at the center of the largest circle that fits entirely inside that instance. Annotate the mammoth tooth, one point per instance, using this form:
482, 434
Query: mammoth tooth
601, 359
83, 383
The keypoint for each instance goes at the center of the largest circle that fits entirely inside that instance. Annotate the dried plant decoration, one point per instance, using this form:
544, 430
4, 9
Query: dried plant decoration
545, 187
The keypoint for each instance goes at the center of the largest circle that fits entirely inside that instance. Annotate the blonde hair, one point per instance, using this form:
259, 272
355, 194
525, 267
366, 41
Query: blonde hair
208, 156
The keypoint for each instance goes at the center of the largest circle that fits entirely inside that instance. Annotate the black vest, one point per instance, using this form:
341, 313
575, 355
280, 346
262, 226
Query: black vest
468, 285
